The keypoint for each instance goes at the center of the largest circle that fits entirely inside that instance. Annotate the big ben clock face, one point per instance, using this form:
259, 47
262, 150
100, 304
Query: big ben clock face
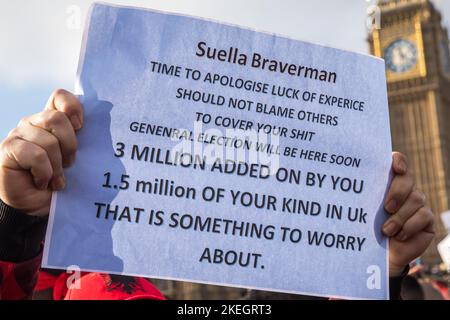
401, 56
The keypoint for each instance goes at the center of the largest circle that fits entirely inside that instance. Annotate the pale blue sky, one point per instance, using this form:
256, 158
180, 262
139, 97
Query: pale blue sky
40, 40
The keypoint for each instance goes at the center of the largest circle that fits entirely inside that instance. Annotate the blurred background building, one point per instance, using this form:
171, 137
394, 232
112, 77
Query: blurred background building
413, 42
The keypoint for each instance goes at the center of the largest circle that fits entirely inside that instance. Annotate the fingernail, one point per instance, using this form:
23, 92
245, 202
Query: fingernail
401, 236
392, 206
390, 229
402, 166
76, 122
59, 183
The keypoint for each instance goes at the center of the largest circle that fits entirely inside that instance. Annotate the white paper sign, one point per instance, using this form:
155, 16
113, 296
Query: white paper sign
217, 154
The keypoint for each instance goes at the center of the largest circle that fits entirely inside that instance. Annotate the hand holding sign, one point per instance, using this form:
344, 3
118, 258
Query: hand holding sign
35, 153
411, 226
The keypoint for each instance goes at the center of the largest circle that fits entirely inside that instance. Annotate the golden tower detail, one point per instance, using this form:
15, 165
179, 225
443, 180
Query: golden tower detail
415, 46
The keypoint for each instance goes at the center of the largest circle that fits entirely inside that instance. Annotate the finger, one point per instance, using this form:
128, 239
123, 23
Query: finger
415, 201
399, 163
58, 124
24, 155
64, 101
422, 220
401, 187
47, 141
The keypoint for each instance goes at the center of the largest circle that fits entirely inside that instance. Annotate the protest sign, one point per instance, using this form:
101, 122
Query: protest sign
217, 154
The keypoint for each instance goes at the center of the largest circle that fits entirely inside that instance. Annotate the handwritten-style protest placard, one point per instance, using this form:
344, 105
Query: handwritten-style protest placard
217, 154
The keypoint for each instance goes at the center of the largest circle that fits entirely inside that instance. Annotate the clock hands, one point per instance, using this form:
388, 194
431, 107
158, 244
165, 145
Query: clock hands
401, 55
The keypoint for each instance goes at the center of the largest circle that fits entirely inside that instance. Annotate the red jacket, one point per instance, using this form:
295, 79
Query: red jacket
21, 239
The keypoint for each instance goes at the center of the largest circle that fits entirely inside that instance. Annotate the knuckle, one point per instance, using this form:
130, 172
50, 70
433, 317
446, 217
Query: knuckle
427, 213
14, 133
14, 148
5, 144
6, 150
23, 121
418, 198
51, 145
398, 220
39, 155
64, 105
428, 218
9, 142
59, 92
57, 118
64, 99
42, 119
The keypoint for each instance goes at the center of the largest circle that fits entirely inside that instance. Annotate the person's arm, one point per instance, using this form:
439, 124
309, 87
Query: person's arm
21, 238
32, 162
395, 285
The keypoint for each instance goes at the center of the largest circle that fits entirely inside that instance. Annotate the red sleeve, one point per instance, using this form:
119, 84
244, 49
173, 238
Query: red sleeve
21, 238
17, 280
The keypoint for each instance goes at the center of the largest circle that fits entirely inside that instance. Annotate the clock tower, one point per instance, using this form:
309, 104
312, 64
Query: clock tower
415, 46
